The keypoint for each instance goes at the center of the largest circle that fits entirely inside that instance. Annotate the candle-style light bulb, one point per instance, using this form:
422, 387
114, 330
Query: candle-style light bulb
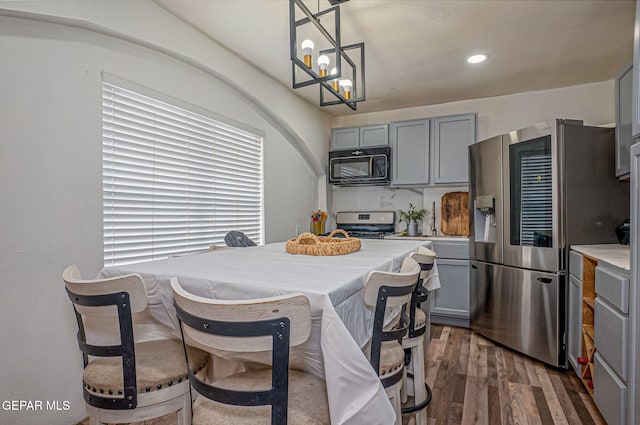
323, 63
346, 86
307, 51
334, 82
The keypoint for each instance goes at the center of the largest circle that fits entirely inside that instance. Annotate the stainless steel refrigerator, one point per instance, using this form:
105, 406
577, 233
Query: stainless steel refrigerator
533, 193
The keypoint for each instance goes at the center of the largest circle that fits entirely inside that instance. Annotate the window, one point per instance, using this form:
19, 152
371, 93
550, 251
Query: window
174, 181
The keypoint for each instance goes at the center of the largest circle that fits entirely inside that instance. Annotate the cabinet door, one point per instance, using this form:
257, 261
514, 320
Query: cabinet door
345, 138
374, 135
609, 393
635, 117
452, 299
451, 139
574, 327
612, 337
624, 94
410, 152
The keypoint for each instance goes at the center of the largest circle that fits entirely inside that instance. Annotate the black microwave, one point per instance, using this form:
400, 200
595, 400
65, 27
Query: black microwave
360, 166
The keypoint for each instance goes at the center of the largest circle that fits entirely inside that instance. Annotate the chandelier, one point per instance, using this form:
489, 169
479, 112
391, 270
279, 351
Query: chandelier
318, 57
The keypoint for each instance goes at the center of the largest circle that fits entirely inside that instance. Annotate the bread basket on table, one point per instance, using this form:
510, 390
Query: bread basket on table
310, 244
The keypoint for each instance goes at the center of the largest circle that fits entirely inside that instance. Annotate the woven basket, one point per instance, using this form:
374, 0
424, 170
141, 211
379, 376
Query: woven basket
310, 244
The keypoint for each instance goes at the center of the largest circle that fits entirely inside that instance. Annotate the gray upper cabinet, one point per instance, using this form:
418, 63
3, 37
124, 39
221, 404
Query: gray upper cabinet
424, 152
451, 137
374, 135
356, 137
635, 115
410, 152
345, 138
624, 139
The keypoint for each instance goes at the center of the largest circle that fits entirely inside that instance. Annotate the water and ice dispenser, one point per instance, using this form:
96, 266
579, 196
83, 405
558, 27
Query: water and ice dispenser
485, 218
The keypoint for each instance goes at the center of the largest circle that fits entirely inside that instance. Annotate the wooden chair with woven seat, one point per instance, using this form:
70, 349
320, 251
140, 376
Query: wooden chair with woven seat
415, 343
386, 293
129, 381
276, 395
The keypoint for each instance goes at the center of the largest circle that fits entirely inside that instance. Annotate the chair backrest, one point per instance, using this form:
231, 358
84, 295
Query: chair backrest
131, 284
238, 239
273, 324
294, 307
425, 258
117, 297
383, 290
407, 276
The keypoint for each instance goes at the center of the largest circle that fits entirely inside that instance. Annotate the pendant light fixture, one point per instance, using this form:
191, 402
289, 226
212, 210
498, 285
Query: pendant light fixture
317, 56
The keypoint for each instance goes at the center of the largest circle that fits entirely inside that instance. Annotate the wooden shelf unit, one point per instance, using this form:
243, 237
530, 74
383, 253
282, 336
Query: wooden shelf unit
588, 304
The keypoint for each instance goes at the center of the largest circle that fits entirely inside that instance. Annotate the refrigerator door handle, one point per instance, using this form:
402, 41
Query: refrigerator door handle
545, 280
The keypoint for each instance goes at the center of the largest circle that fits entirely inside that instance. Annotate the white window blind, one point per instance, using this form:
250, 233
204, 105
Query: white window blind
174, 182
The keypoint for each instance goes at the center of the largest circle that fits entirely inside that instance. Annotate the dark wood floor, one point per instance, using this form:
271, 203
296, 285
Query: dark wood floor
475, 381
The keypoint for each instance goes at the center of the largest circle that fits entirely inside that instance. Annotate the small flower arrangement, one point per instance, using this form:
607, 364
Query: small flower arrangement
412, 217
412, 214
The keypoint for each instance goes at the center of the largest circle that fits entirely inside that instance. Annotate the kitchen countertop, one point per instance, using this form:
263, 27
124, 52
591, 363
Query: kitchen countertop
428, 238
615, 254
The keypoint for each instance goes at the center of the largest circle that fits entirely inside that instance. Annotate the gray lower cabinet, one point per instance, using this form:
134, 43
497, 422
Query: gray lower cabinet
574, 325
450, 303
611, 323
451, 137
609, 393
624, 139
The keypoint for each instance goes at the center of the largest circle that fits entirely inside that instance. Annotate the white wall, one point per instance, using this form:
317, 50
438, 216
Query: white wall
592, 103
50, 165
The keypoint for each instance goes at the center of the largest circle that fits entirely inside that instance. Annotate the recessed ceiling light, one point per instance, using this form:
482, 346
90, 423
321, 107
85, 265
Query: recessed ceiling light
477, 58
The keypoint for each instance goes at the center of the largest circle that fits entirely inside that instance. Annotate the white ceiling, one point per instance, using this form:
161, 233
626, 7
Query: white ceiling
416, 49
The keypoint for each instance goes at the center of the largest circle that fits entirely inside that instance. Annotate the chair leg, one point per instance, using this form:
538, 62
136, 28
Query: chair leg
403, 389
94, 420
184, 414
418, 383
397, 405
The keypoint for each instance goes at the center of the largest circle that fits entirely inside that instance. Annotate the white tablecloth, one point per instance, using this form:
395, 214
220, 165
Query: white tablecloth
341, 323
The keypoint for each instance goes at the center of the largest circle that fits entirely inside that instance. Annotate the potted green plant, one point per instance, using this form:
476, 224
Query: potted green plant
412, 216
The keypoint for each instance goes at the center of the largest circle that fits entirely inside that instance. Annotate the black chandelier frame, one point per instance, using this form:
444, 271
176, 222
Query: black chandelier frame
340, 53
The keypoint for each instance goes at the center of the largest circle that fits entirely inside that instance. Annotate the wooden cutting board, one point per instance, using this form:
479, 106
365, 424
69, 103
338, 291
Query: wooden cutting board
454, 220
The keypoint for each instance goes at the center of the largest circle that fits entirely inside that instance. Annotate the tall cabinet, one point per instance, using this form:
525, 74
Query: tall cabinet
635, 117
634, 290
634, 285
599, 313
624, 139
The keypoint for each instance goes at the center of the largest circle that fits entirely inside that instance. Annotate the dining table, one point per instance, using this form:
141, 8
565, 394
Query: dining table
341, 322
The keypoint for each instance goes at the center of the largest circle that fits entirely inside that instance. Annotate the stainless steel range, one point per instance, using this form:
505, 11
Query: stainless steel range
367, 224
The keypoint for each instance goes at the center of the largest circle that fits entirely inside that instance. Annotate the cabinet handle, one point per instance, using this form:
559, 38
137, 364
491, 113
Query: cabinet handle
545, 280
473, 266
